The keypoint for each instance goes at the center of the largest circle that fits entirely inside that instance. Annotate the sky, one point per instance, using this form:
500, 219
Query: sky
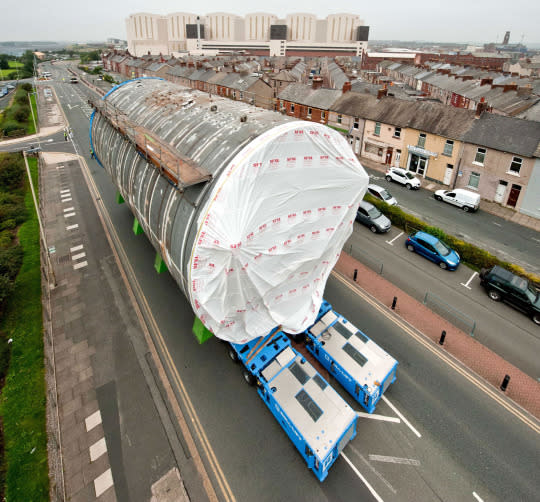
449, 21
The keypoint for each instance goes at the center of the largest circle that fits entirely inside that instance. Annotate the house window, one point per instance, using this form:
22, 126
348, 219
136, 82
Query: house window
356, 122
397, 132
292, 107
448, 147
474, 179
377, 128
323, 115
339, 117
421, 140
515, 166
309, 112
480, 156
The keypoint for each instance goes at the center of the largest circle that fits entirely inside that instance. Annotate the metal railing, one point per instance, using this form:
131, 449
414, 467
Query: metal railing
450, 313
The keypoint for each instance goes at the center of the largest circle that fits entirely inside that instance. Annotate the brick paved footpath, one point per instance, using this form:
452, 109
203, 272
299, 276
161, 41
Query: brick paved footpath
522, 389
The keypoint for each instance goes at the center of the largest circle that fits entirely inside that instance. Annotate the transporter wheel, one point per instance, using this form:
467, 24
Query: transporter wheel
249, 378
232, 354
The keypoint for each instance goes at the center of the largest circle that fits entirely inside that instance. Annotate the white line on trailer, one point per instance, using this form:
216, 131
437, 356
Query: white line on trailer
364, 480
401, 416
394, 460
396, 237
477, 497
466, 285
378, 417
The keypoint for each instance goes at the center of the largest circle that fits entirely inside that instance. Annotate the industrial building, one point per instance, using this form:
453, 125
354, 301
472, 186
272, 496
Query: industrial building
260, 33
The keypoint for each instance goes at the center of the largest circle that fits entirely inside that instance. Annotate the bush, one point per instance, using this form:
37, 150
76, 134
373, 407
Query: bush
474, 256
22, 114
11, 172
21, 98
11, 261
6, 238
27, 87
6, 287
11, 128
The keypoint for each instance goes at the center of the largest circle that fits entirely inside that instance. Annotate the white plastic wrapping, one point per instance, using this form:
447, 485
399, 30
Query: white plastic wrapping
272, 231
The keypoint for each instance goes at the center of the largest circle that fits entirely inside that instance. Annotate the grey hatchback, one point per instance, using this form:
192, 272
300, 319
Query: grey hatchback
370, 216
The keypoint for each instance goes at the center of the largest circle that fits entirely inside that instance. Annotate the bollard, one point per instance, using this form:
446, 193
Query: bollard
443, 336
505, 383
355, 275
394, 301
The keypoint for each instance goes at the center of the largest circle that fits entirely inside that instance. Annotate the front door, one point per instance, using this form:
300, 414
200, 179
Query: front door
422, 164
514, 195
448, 174
501, 190
389, 152
397, 158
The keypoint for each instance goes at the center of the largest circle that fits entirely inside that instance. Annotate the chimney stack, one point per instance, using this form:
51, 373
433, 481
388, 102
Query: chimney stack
485, 81
510, 87
317, 83
382, 92
480, 108
346, 87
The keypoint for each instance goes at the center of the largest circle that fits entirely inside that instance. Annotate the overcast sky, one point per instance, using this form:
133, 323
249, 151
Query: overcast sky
445, 21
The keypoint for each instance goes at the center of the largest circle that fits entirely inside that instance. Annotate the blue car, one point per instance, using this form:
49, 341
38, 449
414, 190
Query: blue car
433, 249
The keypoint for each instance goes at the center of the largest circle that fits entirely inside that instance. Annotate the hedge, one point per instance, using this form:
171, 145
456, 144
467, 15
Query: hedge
470, 254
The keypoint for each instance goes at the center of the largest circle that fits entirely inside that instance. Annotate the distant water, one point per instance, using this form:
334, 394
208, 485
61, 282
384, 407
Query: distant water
19, 48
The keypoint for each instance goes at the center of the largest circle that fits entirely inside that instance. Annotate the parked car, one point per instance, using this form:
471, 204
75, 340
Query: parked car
370, 216
465, 199
382, 194
33, 150
404, 177
433, 249
501, 284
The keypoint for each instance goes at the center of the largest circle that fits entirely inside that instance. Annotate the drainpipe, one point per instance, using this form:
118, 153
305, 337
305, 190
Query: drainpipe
458, 166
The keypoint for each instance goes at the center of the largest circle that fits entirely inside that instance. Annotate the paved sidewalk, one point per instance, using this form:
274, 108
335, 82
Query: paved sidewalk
522, 389
487, 206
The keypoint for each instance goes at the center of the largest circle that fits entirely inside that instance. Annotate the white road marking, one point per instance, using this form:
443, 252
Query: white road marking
394, 460
68, 199
67, 190
80, 265
93, 420
68, 209
477, 497
469, 281
78, 256
498, 224
364, 480
97, 449
50, 141
385, 399
69, 215
103, 482
372, 469
76, 248
396, 237
535, 239
72, 227
378, 417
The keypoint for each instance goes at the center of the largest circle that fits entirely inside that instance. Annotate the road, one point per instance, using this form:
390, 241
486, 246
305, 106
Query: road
461, 444
505, 239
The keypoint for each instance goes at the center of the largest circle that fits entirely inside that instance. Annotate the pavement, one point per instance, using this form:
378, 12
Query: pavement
485, 205
98, 357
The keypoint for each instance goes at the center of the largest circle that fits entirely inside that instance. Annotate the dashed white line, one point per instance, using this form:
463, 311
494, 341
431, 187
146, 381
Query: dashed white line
394, 460
469, 281
78, 256
93, 420
378, 417
396, 237
72, 227
495, 223
103, 482
477, 497
364, 480
97, 449
397, 412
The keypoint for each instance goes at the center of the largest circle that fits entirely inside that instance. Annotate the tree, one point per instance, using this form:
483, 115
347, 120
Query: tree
4, 62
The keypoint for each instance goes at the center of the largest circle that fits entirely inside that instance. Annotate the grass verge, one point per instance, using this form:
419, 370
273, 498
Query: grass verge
31, 128
22, 406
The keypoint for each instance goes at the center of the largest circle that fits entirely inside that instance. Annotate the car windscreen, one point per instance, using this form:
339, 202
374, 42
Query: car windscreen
385, 195
374, 212
442, 248
410, 176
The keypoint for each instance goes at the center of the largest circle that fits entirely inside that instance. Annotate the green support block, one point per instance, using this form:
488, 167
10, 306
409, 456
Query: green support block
159, 264
119, 198
137, 229
201, 332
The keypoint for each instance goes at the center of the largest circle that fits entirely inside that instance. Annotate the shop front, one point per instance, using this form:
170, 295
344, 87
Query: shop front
418, 160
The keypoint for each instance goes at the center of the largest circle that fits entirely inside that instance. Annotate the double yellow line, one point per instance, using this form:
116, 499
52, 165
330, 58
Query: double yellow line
428, 344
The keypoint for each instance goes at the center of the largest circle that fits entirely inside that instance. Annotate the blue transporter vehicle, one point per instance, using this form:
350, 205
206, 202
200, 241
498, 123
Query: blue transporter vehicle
314, 416
354, 360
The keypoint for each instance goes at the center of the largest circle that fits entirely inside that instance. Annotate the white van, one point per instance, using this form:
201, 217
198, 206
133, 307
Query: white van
465, 199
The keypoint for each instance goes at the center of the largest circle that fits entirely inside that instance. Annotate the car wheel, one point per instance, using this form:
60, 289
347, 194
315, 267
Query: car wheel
443, 265
249, 378
466, 208
388, 178
494, 295
373, 228
536, 319
438, 197
410, 247
409, 186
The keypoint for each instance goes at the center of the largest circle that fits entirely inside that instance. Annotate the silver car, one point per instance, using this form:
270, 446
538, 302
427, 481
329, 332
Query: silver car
370, 216
382, 194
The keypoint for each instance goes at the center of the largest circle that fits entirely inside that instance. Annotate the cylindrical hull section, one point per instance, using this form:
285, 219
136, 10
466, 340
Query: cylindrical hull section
253, 247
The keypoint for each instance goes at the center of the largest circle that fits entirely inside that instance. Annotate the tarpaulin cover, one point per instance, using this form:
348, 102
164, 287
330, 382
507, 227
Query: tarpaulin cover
272, 230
